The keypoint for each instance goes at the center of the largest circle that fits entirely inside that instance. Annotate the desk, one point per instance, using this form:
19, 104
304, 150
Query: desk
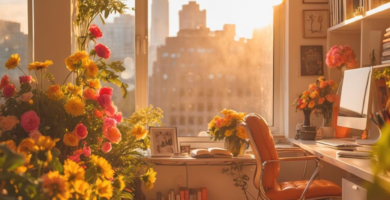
201, 161
358, 167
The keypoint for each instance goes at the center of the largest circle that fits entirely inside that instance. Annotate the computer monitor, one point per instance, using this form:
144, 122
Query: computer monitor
358, 101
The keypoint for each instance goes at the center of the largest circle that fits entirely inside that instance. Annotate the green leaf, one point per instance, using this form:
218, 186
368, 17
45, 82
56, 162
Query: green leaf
90, 173
126, 195
101, 18
56, 165
117, 66
9, 160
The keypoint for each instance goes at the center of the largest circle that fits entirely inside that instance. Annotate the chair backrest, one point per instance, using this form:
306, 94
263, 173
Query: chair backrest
263, 146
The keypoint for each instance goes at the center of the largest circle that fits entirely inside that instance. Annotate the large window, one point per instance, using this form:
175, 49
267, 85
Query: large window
13, 35
207, 55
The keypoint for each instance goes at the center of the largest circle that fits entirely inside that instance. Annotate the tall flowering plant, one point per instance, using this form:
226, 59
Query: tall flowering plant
227, 127
69, 141
340, 56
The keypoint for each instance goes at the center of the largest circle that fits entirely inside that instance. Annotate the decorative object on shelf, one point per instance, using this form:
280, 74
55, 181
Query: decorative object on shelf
311, 61
228, 128
163, 141
315, 1
185, 149
308, 133
298, 127
70, 140
372, 58
315, 23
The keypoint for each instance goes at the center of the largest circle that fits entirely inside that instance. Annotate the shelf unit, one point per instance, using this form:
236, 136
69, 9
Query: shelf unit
363, 34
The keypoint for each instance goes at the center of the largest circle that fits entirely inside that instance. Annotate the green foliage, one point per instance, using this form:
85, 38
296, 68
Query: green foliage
89, 9
147, 117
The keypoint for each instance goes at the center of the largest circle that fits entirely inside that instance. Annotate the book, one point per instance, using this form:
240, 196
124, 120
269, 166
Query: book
204, 193
178, 197
386, 53
385, 58
385, 61
386, 40
387, 35
158, 196
211, 152
181, 192
388, 29
184, 193
199, 193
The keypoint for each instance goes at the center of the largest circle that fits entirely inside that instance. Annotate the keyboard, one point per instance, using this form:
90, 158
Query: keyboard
337, 143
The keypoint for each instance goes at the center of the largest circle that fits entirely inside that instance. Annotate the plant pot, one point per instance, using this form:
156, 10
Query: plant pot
236, 146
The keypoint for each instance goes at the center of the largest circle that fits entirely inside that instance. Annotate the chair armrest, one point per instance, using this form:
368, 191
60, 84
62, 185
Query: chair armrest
290, 150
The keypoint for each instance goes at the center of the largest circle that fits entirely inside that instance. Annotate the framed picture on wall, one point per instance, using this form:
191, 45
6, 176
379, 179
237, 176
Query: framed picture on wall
315, 1
312, 61
315, 23
163, 141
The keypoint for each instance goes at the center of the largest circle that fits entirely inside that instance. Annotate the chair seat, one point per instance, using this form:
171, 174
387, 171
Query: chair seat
292, 190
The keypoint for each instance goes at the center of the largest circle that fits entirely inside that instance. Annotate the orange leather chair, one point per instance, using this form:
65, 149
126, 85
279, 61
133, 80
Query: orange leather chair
267, 170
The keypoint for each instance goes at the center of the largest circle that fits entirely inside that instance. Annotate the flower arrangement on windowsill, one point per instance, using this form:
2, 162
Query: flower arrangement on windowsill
227, 127
69, 141
320, 98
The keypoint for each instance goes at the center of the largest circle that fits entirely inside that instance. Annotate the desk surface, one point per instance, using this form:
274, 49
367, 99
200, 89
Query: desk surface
201, 161
359, 167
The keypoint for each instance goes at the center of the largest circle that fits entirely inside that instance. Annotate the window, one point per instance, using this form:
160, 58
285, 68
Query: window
222, 46
14, 36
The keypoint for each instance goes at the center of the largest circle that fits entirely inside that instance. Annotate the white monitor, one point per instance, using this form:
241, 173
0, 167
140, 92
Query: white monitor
357, 102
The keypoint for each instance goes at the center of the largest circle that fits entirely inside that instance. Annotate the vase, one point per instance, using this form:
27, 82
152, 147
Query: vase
236, 146
306, 120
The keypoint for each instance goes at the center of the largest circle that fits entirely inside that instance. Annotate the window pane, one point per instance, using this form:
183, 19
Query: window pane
211, 55
13, 36
118, 35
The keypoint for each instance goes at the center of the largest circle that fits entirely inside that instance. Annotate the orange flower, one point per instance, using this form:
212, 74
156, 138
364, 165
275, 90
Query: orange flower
311, 104
330, 97
303, 105
71, 139
89, 94
314, 95
113, 135
312, 86
321, 100
306, 93
323, 84
55, 92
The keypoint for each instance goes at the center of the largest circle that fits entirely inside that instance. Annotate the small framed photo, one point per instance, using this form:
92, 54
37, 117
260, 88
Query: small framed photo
185, 149
315, 23
312, 60
315, 1
163, 141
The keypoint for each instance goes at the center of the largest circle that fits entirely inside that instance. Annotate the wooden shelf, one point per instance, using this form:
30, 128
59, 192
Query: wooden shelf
381, 12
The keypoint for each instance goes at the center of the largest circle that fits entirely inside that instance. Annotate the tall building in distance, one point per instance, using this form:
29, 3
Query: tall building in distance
191, 17
159, 22
200, 72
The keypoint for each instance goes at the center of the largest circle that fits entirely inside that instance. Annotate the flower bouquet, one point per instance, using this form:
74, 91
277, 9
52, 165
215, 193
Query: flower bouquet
228, 128
341, 57
69, 141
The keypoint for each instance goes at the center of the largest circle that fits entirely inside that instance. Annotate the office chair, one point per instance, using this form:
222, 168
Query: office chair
267, 169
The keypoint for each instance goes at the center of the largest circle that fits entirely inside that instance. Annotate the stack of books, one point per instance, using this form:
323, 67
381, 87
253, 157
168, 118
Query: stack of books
184, 194
386, 48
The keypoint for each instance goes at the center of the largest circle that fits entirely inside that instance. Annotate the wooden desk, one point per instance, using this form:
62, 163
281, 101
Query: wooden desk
358, 167
201, 161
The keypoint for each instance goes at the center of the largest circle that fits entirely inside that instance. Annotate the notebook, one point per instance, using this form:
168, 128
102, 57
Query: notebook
339, 144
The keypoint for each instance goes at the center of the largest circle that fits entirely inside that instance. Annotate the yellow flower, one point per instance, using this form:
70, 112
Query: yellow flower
75, 107
54, 92
81, 189
26, 146
74, 89
94, 83
139, 132
314, 95
10, 144
39, 65
43, 146
228, 133
92, 70
241, 132
55, 186
71, 139
72, 171
321, 78
103, 167
119, 183
21, 169
103, 188
73, 61
149, 178
13, 61
311, 104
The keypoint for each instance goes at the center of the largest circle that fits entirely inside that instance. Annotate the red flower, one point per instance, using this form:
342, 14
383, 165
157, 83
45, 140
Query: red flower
102, 51
105, 90
4, 81
25, 79
95, 31
9, 91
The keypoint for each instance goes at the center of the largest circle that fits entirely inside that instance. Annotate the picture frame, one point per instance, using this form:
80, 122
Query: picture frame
315, 23
185, 149
312, 61
315, 1
163, 141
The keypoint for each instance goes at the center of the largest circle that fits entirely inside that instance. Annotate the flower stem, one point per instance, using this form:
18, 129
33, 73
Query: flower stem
22, 71
67, 77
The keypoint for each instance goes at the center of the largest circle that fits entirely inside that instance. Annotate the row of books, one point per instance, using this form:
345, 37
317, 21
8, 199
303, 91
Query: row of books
336, 12
184, 194
341, 10
386, 47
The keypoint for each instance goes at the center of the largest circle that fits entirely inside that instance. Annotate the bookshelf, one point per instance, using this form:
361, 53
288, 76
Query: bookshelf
363, 33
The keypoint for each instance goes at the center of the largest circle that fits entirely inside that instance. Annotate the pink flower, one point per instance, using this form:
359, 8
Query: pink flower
108, 123
75, 157
80, 131
35, 135
104, 101
26, 96
102, 51
25, 79
9, 91
111, 110
87, 151
4, 81
95, 31
106, 147
30, 121
8, 123
118, 117
105, 90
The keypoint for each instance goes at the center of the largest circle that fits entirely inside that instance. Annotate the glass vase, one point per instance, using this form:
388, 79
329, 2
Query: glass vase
236, 146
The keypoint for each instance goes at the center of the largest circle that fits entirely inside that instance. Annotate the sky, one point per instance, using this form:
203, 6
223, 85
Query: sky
246, 14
